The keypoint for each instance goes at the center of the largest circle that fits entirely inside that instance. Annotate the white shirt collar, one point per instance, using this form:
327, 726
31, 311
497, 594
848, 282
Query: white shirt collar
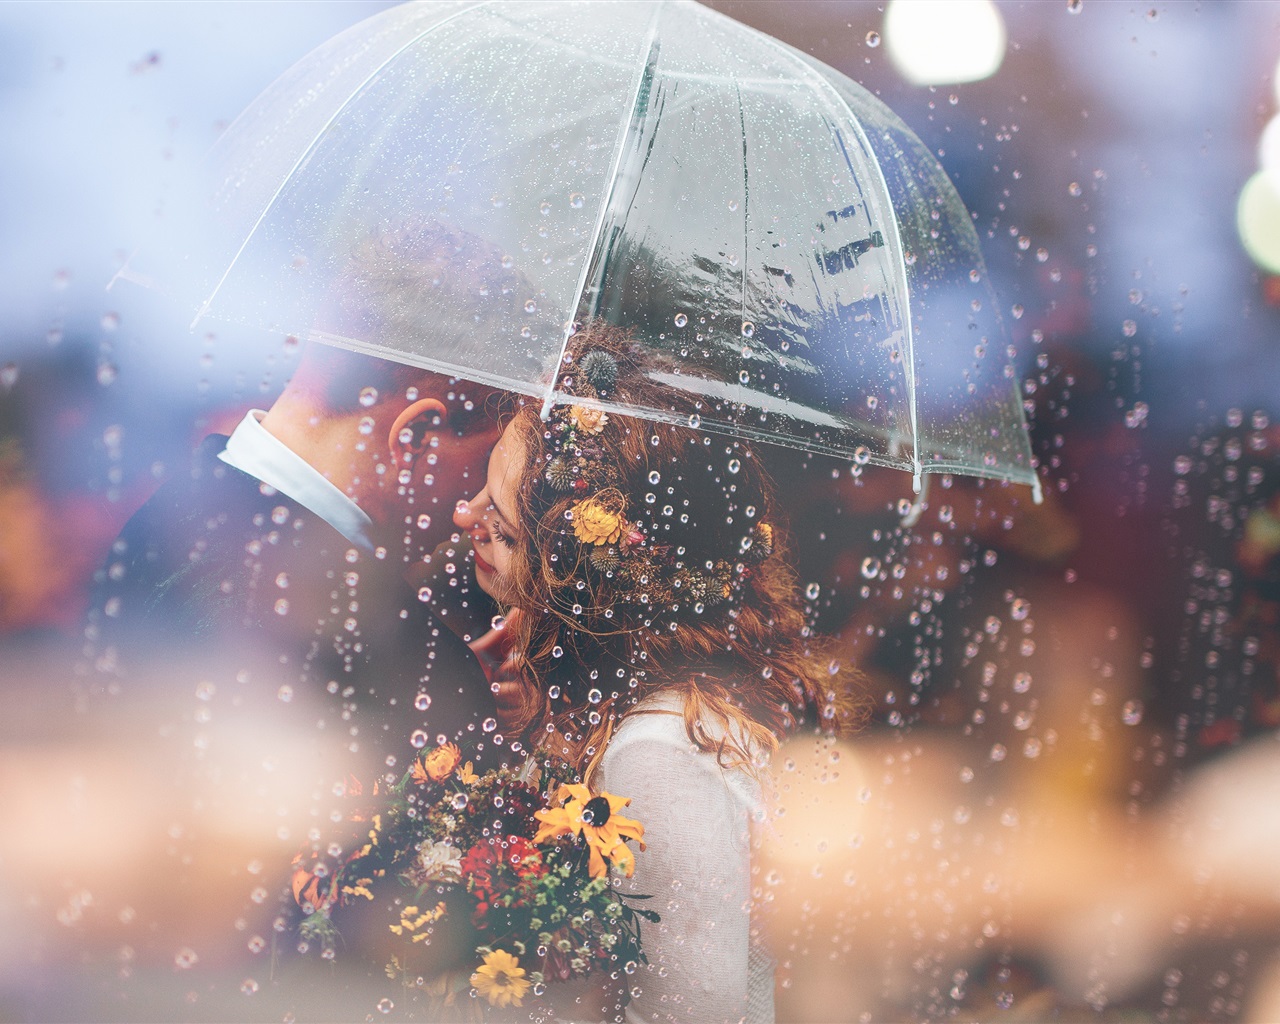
254, 450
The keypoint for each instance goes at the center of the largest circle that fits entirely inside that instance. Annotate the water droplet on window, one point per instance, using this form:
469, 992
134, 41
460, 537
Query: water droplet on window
681, 320
368, 396
873, 39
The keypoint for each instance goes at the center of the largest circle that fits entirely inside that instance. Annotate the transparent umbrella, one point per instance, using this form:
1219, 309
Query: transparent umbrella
797, 254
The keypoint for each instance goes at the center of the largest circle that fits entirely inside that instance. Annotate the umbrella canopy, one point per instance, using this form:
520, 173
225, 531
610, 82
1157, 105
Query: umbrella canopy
456, 185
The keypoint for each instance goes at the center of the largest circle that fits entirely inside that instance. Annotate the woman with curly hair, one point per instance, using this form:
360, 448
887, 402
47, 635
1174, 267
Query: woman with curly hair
661, 649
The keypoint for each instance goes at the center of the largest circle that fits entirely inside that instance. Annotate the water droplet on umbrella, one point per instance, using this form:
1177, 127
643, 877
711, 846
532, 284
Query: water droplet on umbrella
1019, 609
872, 401
489, 724
812, 591
1131, 713
681, 320
282, 607
419, 738
870, 568
459, 801
695, 421
185, 958
424, 521
744, 377
424, 594
595, 696
530, 306
368, 396
873, 39
861, 455
557, 651
366, 425
422, 701
748, 328
385, 1005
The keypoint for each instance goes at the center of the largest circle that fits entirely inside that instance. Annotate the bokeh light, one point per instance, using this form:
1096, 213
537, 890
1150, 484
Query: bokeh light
1258, 220
945, 42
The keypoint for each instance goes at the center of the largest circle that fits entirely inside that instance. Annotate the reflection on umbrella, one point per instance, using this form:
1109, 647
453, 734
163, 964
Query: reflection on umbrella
769, 225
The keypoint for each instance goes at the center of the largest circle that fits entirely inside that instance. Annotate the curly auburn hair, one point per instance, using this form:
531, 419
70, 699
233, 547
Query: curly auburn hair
589, 650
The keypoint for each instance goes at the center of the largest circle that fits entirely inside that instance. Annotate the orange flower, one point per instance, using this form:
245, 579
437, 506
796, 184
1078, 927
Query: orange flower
436, 765
311, 888
598, 519
596, 820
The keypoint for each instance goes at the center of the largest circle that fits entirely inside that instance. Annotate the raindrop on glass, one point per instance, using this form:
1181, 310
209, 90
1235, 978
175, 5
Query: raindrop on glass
681, 320
812, 591
424, 594
368, 396
873, 39
422, 701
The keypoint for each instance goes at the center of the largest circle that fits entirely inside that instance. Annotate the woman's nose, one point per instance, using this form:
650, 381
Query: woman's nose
463, 516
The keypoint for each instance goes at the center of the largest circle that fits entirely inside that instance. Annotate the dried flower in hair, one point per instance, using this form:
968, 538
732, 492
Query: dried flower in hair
600, 369
588, 419
598, 519
605, 559
560, 474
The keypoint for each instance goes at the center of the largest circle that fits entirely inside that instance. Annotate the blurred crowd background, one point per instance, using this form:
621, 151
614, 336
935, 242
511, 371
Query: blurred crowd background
1066, 804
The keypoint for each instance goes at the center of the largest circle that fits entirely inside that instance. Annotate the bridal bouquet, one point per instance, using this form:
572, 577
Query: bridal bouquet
475, 881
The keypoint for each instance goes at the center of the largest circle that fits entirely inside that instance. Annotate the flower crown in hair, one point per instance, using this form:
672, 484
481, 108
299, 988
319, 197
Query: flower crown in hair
615, 547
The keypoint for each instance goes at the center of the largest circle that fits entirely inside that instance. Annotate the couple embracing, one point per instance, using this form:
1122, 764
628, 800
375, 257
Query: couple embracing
653, 635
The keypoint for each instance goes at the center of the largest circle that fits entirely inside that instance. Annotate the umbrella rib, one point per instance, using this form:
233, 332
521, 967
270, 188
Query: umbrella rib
826, 86
742, 122
647, 65
302, 157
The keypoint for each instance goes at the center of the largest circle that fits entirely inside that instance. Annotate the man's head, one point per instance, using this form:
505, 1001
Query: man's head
404, 443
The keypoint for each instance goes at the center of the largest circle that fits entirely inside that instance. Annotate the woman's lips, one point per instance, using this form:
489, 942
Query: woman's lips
481, 564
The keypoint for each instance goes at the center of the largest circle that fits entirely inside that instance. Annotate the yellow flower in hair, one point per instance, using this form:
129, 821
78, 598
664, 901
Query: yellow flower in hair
587, 419
766, 534
598, 519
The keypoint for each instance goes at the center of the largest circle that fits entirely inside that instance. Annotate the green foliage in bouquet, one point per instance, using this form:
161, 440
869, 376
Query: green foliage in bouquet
496, 888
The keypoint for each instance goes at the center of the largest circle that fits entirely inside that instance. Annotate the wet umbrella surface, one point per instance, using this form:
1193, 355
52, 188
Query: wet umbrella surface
795, 253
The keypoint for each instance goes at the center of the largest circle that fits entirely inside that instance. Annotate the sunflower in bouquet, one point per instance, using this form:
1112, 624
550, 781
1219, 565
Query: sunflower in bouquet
486, 885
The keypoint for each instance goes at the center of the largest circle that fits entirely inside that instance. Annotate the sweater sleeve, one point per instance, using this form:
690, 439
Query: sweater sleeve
696, 868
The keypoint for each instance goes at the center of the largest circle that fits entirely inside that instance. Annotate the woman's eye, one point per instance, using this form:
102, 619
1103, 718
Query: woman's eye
498, 535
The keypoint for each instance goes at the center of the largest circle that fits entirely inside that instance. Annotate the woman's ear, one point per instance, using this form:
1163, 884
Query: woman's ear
413, 429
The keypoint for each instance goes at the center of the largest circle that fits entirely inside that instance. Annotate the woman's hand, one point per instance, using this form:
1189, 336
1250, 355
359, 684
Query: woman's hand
498, 660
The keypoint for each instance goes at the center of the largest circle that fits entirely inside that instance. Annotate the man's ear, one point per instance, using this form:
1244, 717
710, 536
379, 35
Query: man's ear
413, 429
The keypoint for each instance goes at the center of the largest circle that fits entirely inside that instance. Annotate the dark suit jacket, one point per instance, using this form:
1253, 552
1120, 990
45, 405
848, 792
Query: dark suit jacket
258, 639
224, 567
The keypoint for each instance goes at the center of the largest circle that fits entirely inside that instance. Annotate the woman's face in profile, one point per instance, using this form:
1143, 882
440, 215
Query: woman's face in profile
490, 518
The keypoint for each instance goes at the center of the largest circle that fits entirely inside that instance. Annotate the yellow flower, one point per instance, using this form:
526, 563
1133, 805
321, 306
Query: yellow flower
598, 519
501, 979
467, 774
436, 765
587, 419
595, 819
766, 535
